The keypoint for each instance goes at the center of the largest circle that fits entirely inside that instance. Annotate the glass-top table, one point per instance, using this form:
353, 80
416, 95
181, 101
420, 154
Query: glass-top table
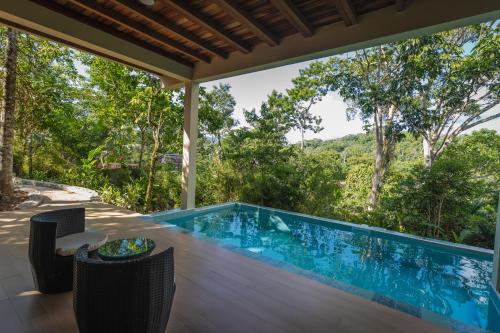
124, 249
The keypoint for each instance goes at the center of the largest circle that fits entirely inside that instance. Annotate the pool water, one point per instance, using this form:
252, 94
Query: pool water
442, 283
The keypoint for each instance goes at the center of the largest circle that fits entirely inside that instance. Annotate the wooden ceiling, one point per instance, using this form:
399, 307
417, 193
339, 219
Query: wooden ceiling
191, 31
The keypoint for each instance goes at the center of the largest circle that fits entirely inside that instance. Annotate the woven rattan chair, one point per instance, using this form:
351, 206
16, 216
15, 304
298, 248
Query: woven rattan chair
53, 273
123, 296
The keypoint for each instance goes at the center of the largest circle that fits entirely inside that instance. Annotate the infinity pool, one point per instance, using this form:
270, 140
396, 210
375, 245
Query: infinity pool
432, 280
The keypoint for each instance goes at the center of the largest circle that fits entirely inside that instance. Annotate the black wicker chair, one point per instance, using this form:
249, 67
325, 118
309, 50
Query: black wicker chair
123, 296
53, 273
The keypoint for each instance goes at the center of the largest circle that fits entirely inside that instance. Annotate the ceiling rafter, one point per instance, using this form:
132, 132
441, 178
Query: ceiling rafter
346, 11
401, 5
195, 16
123, 20
107, 29
234, 10
294, 16
172, 27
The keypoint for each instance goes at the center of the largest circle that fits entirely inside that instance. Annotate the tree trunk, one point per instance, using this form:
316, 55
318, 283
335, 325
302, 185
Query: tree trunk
219, 145
151, 174
20, 168
30, 159
141, 153
378, 176
428, 158
6, 183
429, 142
383, 153
302, 139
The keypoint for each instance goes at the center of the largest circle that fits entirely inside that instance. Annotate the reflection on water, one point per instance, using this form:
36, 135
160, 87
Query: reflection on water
438, 280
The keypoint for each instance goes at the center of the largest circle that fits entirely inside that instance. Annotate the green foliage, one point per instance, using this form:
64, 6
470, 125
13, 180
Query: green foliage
73, 124
130, 196
308, 89
456, 198
320, 175
355, 190
451, 82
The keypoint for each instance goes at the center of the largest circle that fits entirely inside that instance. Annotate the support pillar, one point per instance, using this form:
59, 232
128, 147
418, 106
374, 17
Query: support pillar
495, 280
189, 145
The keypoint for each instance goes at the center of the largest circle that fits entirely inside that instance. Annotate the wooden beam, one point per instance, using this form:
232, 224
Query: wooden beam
423, 17
54, 6
294, 16
123, 20
74, 45
401, 5
160, 20
239, 13
346, 11
197, 17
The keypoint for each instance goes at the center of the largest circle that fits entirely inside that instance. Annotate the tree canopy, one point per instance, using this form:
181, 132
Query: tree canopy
83, 120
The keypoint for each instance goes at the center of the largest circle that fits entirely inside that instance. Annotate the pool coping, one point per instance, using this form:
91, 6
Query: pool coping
369, 230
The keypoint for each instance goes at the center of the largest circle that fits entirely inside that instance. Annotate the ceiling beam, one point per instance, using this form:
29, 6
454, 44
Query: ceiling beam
55, 7
401, 5
123, 20
197, 17
233, 9
172, 27
382, 26
294, 16
346, 11
30, 17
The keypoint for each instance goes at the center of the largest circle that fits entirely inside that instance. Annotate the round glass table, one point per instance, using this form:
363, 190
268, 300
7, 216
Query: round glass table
124, 249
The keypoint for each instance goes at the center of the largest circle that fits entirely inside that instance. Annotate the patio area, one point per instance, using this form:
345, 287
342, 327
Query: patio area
186, 43
217, 290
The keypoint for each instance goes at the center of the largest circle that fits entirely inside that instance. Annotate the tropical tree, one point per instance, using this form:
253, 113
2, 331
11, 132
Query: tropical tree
260, 156
369, 81
308, 89
453, 81
216, 113
6, 173
47, 78
109, 91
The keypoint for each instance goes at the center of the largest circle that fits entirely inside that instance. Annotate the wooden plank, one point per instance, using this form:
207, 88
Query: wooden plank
206, 22
294, 16
172, 27
106, 29
401, 5
239, 13
217, 290
127, 22
345, 9
75, 46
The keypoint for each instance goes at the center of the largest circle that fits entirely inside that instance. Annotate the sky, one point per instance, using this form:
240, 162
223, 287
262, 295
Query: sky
250, 90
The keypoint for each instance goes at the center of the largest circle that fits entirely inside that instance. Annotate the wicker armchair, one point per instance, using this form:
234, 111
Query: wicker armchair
123, 296
53, 273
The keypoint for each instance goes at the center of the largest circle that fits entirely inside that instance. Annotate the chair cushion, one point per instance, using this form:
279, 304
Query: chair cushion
67, 245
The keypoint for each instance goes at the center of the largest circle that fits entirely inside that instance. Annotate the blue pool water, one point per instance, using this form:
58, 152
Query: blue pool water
431, 280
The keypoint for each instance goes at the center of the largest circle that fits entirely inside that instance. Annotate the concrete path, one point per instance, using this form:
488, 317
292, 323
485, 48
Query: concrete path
54, 194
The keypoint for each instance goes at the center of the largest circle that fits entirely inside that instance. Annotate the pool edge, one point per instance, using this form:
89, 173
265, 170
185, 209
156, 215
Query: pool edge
370, 230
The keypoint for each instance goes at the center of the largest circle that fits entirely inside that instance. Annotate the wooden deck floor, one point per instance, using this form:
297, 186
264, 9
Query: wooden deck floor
217, 290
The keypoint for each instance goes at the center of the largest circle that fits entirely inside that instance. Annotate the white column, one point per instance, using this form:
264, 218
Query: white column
495, 280
189, 145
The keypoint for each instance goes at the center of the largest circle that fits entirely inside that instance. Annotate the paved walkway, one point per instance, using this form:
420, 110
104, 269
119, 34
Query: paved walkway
54, 194
217, 290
